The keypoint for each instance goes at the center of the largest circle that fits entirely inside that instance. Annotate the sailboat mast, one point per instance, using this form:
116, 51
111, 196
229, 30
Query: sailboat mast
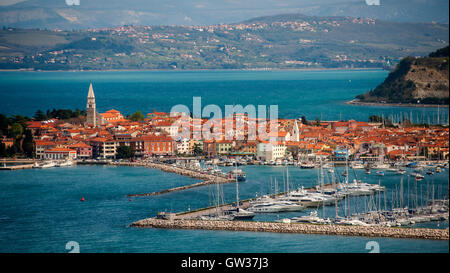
237, 190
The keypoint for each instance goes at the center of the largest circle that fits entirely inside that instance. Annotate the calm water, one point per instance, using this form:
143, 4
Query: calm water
314, 94
40, 211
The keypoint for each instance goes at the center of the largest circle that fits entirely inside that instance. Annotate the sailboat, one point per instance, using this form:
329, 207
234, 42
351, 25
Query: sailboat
239, 213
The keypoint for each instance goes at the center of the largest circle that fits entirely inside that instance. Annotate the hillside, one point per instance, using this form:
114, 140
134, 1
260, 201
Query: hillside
111, 13
280, 42
415, 80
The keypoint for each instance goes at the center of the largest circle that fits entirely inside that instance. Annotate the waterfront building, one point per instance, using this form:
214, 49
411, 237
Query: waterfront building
341, 154
60, 153
158, 145
103, 147
224, 147
268, 151
209, 148
40, 146
183, 146
83, 150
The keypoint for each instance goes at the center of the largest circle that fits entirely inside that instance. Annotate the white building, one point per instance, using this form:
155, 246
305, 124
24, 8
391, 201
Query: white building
271, 150
60, 153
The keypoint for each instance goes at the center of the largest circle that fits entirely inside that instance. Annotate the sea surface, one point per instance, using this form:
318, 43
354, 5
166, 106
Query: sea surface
314, 94
41, 211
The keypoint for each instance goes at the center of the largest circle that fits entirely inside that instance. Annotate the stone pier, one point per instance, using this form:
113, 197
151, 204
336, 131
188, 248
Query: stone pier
299, 228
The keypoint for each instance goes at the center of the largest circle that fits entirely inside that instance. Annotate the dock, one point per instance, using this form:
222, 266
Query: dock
16, 167
298, 228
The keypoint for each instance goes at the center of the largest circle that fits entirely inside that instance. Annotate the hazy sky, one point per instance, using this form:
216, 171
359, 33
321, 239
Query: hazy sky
9, 2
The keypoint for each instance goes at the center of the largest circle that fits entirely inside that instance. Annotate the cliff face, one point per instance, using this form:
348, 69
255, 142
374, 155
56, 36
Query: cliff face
415, 80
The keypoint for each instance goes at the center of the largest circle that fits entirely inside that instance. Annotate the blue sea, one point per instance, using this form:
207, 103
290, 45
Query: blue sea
314, 94
41, 211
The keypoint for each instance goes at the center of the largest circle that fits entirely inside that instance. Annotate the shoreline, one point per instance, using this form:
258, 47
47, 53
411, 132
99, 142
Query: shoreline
355, 102
190, 70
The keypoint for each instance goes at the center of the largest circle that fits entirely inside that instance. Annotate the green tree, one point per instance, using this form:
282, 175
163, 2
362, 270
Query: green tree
198, 149
125, 152
39, 115
375, 118
16, 130
138, 116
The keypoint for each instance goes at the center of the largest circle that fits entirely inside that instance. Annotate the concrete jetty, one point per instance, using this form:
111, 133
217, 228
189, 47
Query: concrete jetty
16, 167
299, 228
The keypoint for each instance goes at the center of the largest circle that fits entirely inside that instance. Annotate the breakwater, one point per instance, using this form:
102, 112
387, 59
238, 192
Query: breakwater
207, 178
392, 232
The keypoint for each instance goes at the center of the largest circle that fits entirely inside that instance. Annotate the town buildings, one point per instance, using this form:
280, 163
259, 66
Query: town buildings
101, 135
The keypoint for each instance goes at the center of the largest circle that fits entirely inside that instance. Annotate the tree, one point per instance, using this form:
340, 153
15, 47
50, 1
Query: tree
317, 123
39, 115
27, 144
125, 152
3, 124
138, 116
375, 118
198, 149
16, 130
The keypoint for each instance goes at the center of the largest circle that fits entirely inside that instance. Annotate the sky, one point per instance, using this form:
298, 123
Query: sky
9, 2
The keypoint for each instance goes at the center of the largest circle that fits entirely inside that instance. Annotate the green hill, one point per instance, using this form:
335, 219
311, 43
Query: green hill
415, 80
288, 41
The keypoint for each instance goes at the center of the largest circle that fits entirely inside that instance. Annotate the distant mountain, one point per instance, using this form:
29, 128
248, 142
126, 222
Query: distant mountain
277, 42
109, 13
415, 80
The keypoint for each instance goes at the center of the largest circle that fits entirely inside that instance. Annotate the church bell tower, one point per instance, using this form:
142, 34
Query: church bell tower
91, 117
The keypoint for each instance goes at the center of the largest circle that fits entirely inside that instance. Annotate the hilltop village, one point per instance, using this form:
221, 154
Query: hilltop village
102, 135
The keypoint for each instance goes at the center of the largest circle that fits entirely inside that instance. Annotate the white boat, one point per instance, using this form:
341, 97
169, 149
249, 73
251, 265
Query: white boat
357, 165
312, 218
417, 175
274, 206
307, 165
45, 164
65, 163
379, 166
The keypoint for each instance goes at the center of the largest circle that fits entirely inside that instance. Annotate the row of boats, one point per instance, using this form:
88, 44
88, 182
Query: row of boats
298, 200
53, 163
436, 211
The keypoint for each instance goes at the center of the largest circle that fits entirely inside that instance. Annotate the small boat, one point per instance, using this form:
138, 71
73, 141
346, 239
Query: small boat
241, 214
401, 171
238, 174
417, 175
380, 173
429, 172
307, 165
357, 165
367, 171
